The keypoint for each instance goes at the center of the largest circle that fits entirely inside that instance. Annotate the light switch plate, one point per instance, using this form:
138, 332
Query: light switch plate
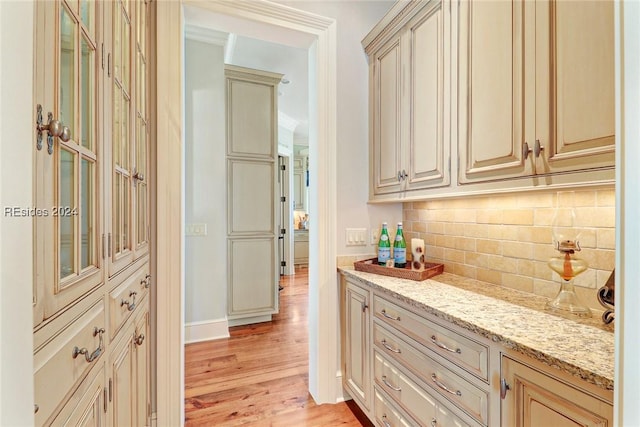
356, 237
196, 229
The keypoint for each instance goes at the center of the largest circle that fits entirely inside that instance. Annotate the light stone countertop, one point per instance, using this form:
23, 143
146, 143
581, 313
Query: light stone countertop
583, 348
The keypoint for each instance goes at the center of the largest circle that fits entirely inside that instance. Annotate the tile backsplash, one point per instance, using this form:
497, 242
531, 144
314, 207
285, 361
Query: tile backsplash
506, 239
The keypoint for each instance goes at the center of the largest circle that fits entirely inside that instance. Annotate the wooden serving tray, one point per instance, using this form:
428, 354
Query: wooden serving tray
371, 266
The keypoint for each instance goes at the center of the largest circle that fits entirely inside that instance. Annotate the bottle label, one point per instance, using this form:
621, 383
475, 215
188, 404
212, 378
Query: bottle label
384, 237
400, 255
384, 254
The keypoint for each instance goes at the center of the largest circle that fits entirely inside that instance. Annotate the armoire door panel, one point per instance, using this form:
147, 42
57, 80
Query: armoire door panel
250, 102
252, 276
251, 197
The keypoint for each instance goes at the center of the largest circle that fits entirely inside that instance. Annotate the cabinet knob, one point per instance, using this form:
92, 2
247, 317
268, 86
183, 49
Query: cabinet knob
526, 150
504, 387
537, 148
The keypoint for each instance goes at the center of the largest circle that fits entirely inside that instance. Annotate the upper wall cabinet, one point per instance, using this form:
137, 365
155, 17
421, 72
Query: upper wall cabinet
535, 90
409, 110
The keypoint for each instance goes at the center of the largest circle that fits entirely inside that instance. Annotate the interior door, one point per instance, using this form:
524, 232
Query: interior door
69, 155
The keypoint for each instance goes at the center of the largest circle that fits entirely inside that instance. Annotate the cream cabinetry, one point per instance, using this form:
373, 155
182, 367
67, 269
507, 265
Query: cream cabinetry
409, 73
427, 370
128, 374
535, 91
300, 167
91, 187
434, 373
300, 247
252, 156
356, 343
538, 397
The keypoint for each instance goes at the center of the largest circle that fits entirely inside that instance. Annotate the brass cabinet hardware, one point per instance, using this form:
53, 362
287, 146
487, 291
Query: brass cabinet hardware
90, 357
54, 128
131, 305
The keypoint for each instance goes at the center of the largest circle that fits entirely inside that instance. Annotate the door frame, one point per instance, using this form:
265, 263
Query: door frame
324, 369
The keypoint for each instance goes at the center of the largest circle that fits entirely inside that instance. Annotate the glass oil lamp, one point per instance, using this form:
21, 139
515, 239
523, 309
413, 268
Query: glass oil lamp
566, 241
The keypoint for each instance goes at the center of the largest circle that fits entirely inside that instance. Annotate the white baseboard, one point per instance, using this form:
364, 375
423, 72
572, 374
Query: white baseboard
206, 330
340, 394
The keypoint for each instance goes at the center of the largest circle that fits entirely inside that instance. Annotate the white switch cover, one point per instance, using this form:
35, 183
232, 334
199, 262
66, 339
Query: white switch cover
356, 236
196, 229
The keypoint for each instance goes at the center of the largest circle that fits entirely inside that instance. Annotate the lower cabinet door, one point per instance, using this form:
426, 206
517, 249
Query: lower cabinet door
88, 404
129, 373
534, 398
357, 344
141, 343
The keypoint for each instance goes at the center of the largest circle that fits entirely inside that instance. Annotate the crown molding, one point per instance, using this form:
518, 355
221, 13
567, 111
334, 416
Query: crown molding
206, 35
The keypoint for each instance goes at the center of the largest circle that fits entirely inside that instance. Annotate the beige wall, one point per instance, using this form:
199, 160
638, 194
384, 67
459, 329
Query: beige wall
506, 240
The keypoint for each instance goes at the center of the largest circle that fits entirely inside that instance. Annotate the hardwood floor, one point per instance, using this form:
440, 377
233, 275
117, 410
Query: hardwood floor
259, 376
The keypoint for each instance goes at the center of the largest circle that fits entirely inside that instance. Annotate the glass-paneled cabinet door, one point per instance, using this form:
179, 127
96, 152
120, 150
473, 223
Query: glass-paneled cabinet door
68, 155
128, 220
141, 144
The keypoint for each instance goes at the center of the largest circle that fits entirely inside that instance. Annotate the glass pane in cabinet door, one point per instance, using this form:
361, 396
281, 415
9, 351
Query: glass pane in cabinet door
142, 25
66, 223
141, 153
67, 69
126, 59
87, 14
142, 89
142, 213
86, 88
87, 215
117, 43
124, 155
117, 132
126, 208
117, 213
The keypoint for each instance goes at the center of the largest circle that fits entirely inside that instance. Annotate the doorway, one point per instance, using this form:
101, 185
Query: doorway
318, 35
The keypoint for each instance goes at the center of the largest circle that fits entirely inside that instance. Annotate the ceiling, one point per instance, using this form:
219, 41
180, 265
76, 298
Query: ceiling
293, 99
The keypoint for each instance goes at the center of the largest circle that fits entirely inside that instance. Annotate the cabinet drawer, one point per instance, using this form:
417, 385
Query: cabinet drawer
443, 381
86, 407
56, 370
386, 415
464, 352
125, 298
410, 396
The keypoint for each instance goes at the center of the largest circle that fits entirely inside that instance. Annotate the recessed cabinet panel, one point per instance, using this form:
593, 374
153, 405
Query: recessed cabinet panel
357, 344
250, 118
576, 78
491, 91
251, 197
252, 272
386, 132
428, 153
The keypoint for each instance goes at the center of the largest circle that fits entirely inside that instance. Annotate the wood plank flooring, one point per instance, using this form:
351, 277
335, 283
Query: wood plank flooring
259, 376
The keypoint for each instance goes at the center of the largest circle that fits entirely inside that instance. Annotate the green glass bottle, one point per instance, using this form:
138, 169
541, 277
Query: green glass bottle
384, 246
399, 249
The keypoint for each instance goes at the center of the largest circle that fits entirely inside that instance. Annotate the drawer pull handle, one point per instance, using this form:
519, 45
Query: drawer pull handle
444, 347
36, 408
139, 339
434, 422
384, 313
130, 305
385, 422
434, 378
388, 384
146, 281
388, 347
96, 353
